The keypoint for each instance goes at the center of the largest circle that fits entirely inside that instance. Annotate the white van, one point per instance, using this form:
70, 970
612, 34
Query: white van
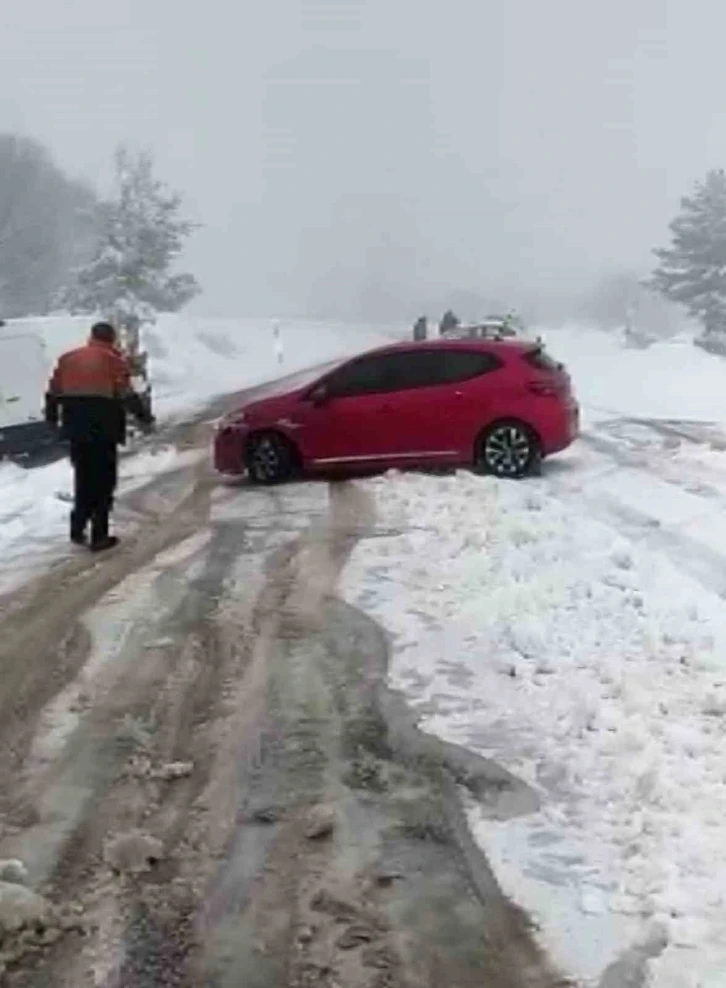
24, 371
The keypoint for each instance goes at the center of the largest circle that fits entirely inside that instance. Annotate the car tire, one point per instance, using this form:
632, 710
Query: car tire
271, 458
508, 449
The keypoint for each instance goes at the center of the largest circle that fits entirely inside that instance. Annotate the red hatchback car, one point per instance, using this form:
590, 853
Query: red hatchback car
499, 406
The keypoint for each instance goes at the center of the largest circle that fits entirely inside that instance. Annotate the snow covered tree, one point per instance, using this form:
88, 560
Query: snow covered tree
692, 271
47, 226
129, 280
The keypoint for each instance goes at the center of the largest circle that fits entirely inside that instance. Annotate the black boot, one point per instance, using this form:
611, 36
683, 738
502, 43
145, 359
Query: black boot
78, 530
107, 542
100, 539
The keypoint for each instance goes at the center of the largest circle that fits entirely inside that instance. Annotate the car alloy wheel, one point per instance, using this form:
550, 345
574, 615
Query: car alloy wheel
269, 459
508, 450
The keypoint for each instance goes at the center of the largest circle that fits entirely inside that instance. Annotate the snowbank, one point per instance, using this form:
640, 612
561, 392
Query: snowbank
592, 668
194, 359
669, 380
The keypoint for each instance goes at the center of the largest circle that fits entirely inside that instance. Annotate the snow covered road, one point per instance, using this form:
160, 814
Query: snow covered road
207, 781
573, 628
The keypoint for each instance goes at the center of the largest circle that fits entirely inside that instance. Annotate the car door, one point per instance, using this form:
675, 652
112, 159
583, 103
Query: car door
443, 401
347, 416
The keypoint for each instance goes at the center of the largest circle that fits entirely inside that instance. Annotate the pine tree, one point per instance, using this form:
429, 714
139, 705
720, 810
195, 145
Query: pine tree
129, 279
692, 271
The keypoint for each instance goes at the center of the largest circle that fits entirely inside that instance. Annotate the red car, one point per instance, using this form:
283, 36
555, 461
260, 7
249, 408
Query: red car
499, 406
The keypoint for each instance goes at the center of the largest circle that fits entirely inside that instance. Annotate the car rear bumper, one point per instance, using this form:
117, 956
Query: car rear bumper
560, 428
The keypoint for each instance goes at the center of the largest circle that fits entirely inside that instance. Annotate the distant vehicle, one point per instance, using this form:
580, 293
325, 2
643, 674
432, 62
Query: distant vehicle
23, 379
498, 406
491, 328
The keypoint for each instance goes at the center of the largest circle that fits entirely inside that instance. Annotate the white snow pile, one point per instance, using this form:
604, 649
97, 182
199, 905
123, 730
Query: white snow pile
671, 379
594, 670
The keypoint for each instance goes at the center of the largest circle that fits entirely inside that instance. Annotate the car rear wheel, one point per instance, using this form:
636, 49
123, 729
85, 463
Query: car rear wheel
508, 449
270, 459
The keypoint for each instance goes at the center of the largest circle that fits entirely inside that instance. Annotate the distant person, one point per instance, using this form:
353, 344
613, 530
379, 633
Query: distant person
421, 329
89, 395
449, 322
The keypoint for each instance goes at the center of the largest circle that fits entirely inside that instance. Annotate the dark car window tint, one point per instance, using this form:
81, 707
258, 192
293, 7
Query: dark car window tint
406, 370
369, 375
462, 365
432, 368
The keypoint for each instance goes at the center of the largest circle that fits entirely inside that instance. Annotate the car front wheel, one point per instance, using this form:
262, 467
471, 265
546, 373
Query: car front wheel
270, 459
508, 449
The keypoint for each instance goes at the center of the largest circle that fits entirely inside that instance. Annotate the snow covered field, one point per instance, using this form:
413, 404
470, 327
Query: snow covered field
573, 628
669, 380
191, 361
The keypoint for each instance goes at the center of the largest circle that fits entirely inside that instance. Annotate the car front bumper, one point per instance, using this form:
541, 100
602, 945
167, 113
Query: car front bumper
229, 450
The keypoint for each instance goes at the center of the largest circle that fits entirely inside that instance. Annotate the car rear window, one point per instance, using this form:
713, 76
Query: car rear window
462, 365
541, 360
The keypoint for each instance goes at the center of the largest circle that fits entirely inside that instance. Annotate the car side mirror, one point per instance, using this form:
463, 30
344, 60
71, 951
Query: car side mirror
320, 396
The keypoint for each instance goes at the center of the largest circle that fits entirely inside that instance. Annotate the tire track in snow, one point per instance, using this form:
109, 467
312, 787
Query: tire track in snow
694, 557
635, 459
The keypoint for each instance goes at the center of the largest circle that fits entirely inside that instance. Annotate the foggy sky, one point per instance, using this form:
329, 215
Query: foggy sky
330, 147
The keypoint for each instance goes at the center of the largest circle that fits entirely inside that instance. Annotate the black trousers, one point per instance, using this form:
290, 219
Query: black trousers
95, 469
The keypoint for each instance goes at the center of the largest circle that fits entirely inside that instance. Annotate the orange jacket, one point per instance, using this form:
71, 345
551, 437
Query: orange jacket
96, 370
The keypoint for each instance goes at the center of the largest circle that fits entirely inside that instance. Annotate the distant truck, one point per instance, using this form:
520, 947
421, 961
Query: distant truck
24, 374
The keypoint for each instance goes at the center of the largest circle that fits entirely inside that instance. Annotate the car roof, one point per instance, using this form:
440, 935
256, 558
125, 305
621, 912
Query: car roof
509, 344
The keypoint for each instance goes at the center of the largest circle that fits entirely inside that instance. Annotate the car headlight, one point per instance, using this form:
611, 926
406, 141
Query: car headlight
230, 421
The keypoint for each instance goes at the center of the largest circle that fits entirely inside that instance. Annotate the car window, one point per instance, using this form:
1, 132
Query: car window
405, 370
462, 365
369, 375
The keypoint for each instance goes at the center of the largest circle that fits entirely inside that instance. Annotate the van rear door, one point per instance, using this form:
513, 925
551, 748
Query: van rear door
23, 380
23, 375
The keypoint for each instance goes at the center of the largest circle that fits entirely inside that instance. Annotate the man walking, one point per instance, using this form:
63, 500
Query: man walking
90, 392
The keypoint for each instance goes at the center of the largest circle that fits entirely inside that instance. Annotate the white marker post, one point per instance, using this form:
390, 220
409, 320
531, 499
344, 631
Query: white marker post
279, 349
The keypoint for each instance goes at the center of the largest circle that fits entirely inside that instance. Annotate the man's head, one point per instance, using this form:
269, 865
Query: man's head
103, 332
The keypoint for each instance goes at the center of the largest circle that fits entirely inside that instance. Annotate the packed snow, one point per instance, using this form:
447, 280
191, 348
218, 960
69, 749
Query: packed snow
670, 380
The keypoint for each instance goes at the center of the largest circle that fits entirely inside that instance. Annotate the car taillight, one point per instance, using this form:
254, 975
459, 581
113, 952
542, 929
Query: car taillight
551, 389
